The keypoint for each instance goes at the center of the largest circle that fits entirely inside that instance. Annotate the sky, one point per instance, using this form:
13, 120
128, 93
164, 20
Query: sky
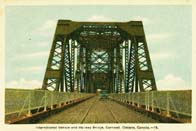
30, 30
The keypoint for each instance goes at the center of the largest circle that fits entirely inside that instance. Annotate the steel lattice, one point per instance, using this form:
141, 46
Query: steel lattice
87, 55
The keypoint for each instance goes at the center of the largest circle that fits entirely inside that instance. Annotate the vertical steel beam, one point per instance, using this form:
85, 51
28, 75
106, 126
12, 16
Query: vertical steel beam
111, 71
73, 62
53, 75
144, 70
121, 68
118, 83
126, 65
67, 69
81, 68
137, 75
78, 71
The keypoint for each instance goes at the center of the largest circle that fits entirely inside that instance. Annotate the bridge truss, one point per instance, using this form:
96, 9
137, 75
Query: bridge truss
86, 56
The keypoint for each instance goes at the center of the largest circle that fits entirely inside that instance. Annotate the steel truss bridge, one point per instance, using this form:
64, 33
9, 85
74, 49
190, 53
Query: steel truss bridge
87, 57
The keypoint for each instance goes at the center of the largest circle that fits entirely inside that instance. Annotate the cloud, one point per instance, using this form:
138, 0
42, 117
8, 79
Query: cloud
96, 18
43, 43
48, 25
35, 69
46, 29
99, 18
158, 36
172, 82
32, 55
38, 54
144, 20
24, 84
162, 56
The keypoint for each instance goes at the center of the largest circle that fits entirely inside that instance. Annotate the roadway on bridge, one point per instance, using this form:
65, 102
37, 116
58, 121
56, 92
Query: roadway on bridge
97, 110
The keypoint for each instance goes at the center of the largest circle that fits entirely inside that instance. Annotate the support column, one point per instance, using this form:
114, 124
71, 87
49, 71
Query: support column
126, 66
144, 70
73, 62
118, 82
53, 75
68, 70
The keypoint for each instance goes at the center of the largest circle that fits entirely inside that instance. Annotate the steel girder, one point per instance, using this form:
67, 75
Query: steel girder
72, 62
58, 72
68, 69
101, 50
126, 65
99, 61
140, 71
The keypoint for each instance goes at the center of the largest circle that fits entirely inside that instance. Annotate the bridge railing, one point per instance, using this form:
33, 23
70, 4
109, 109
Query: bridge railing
19, 102
169, 103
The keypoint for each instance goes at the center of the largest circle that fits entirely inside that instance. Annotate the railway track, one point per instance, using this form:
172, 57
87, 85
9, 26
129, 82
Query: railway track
88, 110
97, 110
107, 106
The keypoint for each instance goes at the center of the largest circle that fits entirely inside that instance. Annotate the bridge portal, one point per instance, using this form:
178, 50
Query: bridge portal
86, 56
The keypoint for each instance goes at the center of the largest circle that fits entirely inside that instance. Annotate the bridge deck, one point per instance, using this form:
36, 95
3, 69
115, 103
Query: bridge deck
97, 110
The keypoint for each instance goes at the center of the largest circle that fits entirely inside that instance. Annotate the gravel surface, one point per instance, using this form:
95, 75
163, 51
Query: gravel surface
97, 110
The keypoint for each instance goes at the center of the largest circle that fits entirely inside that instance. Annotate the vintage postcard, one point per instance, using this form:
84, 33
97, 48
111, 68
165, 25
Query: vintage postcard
92, 65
